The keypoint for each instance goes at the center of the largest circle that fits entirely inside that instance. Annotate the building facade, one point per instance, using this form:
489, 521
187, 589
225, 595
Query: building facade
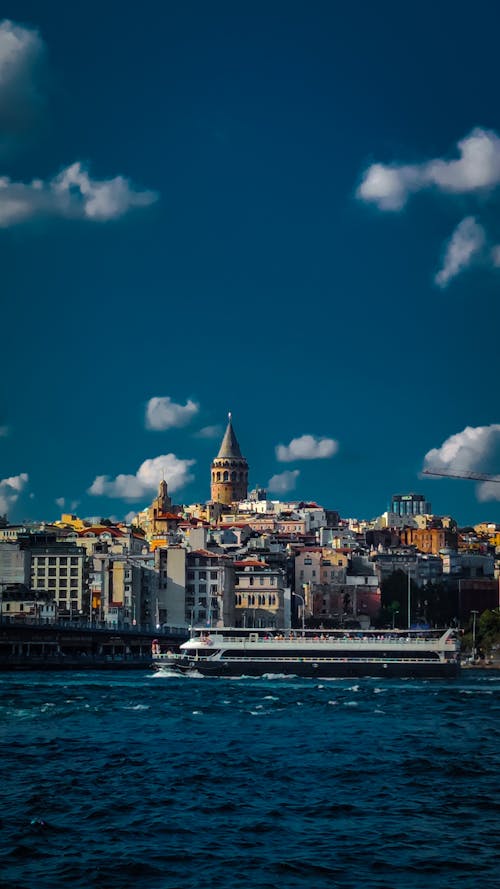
410, 504
261, 596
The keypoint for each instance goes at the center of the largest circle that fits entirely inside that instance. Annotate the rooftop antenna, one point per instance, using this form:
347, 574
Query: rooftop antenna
229, 416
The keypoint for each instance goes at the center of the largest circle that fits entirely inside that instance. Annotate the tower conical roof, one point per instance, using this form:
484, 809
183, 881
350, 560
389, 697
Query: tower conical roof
229, 447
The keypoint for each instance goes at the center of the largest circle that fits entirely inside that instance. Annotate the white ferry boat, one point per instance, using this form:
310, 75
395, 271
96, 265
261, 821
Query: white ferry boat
389, 653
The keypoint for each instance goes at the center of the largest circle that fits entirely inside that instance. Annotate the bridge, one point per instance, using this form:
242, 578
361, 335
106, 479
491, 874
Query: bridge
61, 646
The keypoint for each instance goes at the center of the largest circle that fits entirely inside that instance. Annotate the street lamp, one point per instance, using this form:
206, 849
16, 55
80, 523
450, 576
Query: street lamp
394, 618
474, 634
298, 596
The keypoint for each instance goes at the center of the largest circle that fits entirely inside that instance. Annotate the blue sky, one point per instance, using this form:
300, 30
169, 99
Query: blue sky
286, 210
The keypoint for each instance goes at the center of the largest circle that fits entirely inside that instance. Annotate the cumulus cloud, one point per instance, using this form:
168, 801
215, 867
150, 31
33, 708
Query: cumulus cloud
464, 246
465, 450
130, 516
163, 413
284, 481
61, 502
209, 432
22, 57
146, 480
10, 489
476, 169
469, 451
306, 447
72, 194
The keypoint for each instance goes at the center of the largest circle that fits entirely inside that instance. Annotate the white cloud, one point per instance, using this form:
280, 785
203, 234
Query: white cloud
163, 413
477, 169
306, 447
488, 491
71, 194
22, 54
465, 450
284, 481
466, 242
10, 489
468, 451
130, 516
209, 432
146, 480
61, 502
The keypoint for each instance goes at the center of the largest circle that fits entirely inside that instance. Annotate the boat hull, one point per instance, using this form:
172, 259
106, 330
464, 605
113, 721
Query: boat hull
321, 669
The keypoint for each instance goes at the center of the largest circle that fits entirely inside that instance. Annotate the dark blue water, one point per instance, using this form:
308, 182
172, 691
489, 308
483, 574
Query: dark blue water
141, 780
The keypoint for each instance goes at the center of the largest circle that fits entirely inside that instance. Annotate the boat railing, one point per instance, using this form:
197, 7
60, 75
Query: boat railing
328, 640
286, 660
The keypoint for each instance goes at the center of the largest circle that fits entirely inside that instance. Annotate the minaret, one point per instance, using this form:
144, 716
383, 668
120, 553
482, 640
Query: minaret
229, 470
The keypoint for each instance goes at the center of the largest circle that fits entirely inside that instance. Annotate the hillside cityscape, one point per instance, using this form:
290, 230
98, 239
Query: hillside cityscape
243, 560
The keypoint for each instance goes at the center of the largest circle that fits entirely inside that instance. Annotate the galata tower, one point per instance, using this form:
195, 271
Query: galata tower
229, 470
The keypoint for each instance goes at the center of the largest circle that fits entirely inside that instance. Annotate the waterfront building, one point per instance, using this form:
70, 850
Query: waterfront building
194, 587
229, 479
20, 604
209, 589
123, 590
261, 596
59, 568
15, 564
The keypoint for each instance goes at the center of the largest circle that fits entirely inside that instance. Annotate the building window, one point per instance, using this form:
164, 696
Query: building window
74, 572
213, 575
52, 560
72, 583
73, 561
261, 581
52, 572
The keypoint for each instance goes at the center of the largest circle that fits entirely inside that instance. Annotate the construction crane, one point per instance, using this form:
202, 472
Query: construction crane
475, 476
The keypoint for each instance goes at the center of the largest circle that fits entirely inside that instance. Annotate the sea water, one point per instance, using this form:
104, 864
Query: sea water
151, 781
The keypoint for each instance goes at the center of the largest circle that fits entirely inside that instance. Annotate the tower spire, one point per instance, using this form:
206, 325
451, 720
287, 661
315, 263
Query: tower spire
229, 469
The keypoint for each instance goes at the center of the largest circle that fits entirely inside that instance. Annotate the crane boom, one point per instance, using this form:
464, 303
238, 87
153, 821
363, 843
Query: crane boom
476, 476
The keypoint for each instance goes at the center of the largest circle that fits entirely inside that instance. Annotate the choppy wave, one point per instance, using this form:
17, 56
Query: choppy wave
123, 780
